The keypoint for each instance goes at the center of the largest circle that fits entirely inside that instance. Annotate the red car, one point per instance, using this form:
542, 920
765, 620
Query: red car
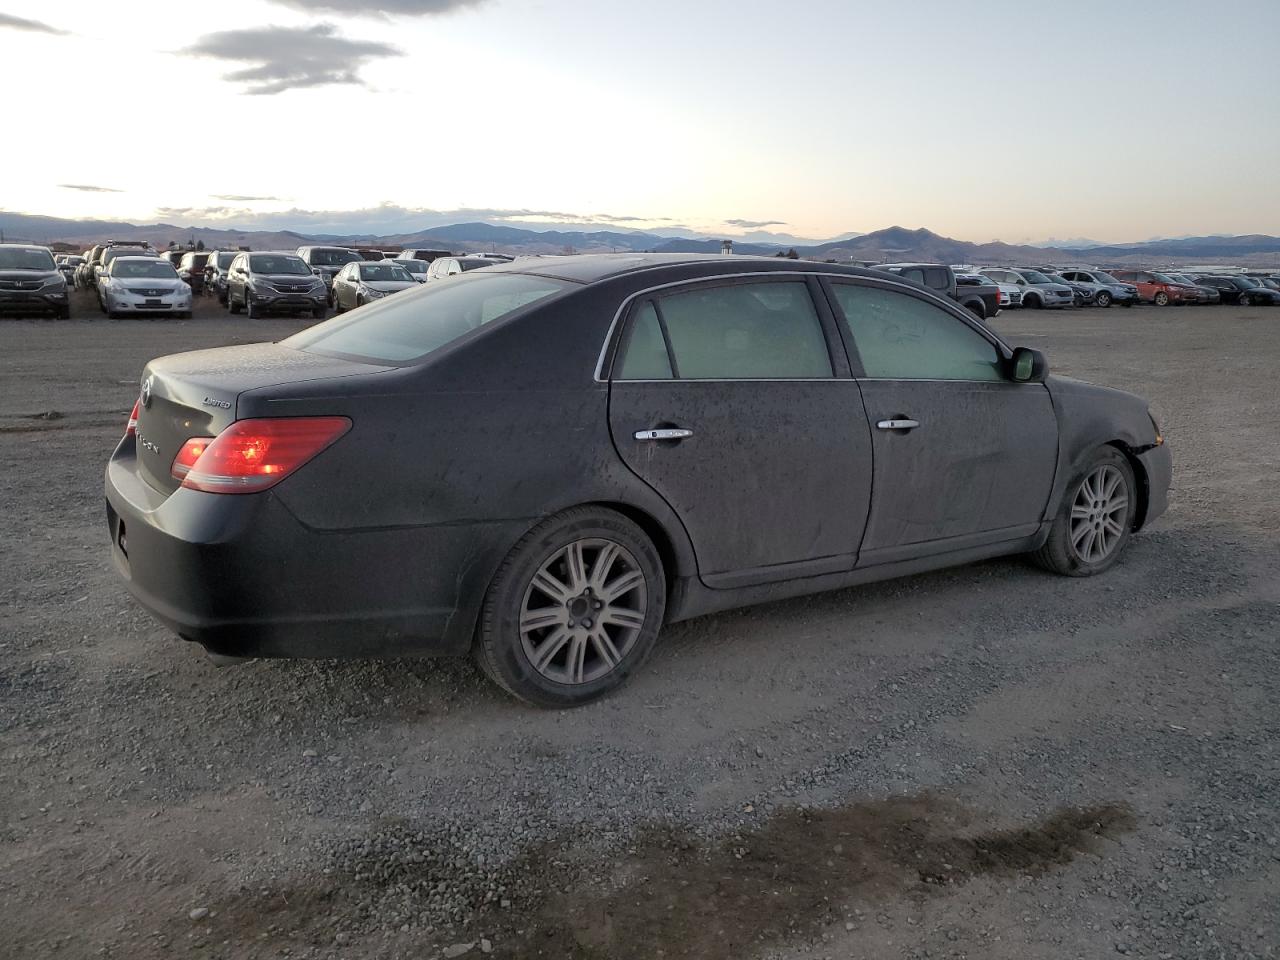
1157, 288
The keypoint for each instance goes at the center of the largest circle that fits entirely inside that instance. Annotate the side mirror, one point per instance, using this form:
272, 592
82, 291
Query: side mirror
1029, 366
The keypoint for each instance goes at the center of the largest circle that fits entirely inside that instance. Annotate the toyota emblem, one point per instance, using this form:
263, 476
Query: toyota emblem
147, 384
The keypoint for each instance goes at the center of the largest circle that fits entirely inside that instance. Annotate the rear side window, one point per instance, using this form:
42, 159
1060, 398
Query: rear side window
936, 278
747, 331
409, 327
644, 352
900, 337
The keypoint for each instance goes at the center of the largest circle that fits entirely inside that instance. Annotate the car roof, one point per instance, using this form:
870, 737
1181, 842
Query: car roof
593, 267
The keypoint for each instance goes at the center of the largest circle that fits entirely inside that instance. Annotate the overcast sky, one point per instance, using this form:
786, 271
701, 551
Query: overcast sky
981, 120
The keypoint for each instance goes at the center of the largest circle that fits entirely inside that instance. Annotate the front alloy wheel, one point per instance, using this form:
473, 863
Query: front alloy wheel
1161, 299
1095, 520
1103, 299
573, 610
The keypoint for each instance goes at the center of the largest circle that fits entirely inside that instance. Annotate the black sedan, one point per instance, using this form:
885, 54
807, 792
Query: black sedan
1245, 291
540, 463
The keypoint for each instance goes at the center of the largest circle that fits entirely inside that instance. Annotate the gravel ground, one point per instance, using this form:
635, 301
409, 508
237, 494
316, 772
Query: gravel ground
984, 762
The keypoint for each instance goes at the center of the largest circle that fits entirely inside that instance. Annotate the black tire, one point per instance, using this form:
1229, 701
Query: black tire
1032, 302
184, 315
978, 310
1059, 553
249, 312
64, 313
337, 305
1103, 299
1127, 304
1161, 299
231, 302
501, 650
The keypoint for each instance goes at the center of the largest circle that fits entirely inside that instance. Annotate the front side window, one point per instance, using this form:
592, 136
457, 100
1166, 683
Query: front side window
406, 329
900, 337
746, 331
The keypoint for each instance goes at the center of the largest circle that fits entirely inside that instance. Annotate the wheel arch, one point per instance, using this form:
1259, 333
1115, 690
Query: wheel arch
1140, 478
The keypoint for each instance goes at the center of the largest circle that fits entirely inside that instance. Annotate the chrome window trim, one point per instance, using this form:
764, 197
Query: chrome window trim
889, 282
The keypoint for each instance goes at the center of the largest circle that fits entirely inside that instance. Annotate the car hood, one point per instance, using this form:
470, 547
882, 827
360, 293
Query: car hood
304, 278
389, 286
151, 283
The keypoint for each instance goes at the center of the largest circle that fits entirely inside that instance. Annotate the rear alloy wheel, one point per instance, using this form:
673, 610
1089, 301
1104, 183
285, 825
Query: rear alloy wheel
1161, 299
1095, 520
573, 610
1103, 299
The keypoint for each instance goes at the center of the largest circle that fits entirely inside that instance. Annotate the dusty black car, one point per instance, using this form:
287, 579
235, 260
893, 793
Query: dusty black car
542, 462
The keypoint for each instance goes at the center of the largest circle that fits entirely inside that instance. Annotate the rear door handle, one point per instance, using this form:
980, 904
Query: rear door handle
897, 424
664, 433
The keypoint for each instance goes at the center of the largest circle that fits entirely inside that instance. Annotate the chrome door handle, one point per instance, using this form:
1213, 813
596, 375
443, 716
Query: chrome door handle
665, 433
898, 424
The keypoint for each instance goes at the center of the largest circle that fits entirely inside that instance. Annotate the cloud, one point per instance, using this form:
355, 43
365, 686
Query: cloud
286, 58
35, 26
756, 224
88, 188
386, 219
237, 198
381, 8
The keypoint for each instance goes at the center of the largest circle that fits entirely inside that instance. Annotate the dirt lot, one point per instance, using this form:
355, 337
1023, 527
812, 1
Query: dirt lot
987, 762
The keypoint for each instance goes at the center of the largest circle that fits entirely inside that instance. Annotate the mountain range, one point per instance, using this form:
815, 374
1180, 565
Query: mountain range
893, 243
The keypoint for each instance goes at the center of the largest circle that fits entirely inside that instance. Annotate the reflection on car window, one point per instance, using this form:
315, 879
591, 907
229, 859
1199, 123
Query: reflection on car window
271, 264
901, 337
157, 269
20, 258
644, 353
404, 329
747, 331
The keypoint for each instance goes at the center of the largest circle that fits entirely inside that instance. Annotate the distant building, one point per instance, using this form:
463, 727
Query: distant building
726, 247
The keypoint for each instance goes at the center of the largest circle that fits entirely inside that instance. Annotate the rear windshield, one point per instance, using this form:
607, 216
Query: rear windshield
157, 269
332, 258
277, 263
415, 266
384, 271
25, 258
223, 259
475, 264
408, 327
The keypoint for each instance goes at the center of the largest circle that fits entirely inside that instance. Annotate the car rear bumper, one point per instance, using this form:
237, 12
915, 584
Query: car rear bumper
1157, 462
243, 577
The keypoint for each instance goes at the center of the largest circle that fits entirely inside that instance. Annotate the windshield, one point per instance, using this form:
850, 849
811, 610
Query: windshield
475, 264
332, 258
384, 271
1034, 276
414, 266
224, 259
1101, 277
152, 268
408, 328
278, 263
25, 258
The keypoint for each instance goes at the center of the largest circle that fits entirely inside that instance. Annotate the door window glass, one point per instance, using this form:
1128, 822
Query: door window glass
644, 353
900, 337
746, 331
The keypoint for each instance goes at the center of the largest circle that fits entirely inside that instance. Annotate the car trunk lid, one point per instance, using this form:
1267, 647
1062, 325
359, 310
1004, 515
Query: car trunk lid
196, 394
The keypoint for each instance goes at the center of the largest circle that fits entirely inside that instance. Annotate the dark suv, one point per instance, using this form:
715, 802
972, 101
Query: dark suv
30, 282
263, 283
191, 269
325, 262
215, 273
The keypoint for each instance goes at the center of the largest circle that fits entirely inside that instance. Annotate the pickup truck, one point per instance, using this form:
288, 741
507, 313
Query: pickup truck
982, 300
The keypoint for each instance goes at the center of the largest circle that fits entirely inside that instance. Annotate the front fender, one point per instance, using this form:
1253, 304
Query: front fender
1090, 416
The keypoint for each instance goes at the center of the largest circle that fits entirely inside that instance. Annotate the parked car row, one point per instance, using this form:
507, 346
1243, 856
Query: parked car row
1055, 287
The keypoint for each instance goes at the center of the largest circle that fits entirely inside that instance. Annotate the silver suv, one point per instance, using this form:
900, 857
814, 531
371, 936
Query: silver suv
1037, 289
1106, 288
30, 282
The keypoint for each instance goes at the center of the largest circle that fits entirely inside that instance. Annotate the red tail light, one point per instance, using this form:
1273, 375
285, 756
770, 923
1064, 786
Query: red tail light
132, 426
253, 455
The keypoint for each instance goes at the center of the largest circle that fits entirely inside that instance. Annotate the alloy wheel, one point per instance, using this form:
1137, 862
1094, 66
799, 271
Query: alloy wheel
1099, 514
583, 611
